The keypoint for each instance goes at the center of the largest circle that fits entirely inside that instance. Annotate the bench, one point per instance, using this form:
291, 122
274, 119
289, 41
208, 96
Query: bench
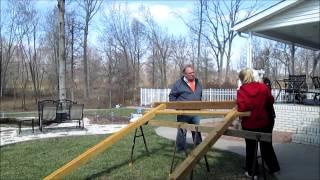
59, 111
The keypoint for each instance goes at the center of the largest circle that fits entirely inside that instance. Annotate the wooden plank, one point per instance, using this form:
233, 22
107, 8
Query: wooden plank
196, 105
266, 137
192, 112
190, 127
103, 145
187, 165
198, 112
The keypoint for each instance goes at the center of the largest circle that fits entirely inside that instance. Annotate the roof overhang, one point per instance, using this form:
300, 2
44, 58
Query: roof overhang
304, 33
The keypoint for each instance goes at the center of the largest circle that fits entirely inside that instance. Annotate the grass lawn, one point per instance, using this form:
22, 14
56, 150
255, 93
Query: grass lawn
37, 159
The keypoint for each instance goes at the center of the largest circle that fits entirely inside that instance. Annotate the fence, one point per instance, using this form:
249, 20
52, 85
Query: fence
148, 96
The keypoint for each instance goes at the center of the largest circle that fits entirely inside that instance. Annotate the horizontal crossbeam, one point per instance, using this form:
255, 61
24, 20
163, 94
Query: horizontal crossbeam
196, 105
266, 137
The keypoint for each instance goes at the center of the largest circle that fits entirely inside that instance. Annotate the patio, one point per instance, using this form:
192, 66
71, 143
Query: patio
10, 135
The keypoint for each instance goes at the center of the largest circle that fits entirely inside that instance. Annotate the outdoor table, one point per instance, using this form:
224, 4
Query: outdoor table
20, 120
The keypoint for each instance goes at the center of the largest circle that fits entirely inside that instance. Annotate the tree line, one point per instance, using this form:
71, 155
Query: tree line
129, 52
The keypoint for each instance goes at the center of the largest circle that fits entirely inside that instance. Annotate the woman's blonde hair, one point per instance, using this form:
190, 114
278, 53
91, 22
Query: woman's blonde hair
246, 76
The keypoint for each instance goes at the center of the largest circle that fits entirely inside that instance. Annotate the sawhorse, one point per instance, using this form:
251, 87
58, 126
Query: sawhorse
134, 142
135, 117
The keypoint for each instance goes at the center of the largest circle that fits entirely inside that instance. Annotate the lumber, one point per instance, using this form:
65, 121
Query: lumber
190, 127
187, 165
191, 112
198, 112
196, 105
103, 145
266, 137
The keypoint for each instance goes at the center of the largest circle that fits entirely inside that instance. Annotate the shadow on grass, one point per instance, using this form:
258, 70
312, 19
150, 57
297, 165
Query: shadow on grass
163, 148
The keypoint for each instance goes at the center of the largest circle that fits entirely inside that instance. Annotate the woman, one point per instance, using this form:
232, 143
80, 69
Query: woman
256, 98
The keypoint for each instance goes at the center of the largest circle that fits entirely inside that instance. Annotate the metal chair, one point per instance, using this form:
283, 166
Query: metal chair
316, 84
48, 113
76, 113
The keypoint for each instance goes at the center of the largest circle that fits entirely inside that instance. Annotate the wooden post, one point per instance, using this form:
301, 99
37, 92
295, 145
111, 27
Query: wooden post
103, 145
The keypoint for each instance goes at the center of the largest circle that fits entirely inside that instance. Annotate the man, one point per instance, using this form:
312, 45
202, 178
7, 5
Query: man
187, 88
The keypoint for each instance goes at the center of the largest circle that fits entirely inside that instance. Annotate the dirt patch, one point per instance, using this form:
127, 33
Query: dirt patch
108, 120
277, 136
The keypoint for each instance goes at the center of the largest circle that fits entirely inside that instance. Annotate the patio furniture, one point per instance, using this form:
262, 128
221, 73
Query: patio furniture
76, 113
47, 112
25, 119
19, 121
294, 87
59, 111
316, 84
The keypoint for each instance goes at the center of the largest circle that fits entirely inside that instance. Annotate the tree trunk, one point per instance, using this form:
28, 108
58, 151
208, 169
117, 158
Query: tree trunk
85, 60
62, 60
72, 61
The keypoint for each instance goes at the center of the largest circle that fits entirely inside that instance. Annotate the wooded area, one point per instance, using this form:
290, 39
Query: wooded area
130, 53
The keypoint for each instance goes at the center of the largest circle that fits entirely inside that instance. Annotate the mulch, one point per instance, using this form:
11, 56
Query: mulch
108, 119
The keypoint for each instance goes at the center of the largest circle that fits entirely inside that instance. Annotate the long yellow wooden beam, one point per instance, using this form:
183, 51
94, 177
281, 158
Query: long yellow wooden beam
266, 137
193, 105
192, 112
187, 165
103, 145
199, 112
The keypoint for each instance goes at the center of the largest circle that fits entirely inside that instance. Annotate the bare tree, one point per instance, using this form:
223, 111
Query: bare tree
10, 38
201, 8
216, 18
90, 7
163, 50
73, 46
137, 50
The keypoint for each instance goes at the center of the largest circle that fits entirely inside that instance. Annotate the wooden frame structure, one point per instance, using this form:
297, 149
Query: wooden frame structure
225, 108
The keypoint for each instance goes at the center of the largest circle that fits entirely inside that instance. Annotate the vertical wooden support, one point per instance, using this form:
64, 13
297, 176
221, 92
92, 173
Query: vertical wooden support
103, 145
187, 165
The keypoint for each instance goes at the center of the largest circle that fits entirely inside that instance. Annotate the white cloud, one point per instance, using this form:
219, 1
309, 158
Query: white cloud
160, 13
165, 13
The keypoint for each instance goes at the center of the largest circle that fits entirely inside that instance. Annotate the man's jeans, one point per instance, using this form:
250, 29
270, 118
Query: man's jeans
181, 134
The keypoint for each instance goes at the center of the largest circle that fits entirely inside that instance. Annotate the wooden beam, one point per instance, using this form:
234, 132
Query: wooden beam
192, 112
198, 112
194, 105
266, 137
103, 145
187, 165
190, 127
